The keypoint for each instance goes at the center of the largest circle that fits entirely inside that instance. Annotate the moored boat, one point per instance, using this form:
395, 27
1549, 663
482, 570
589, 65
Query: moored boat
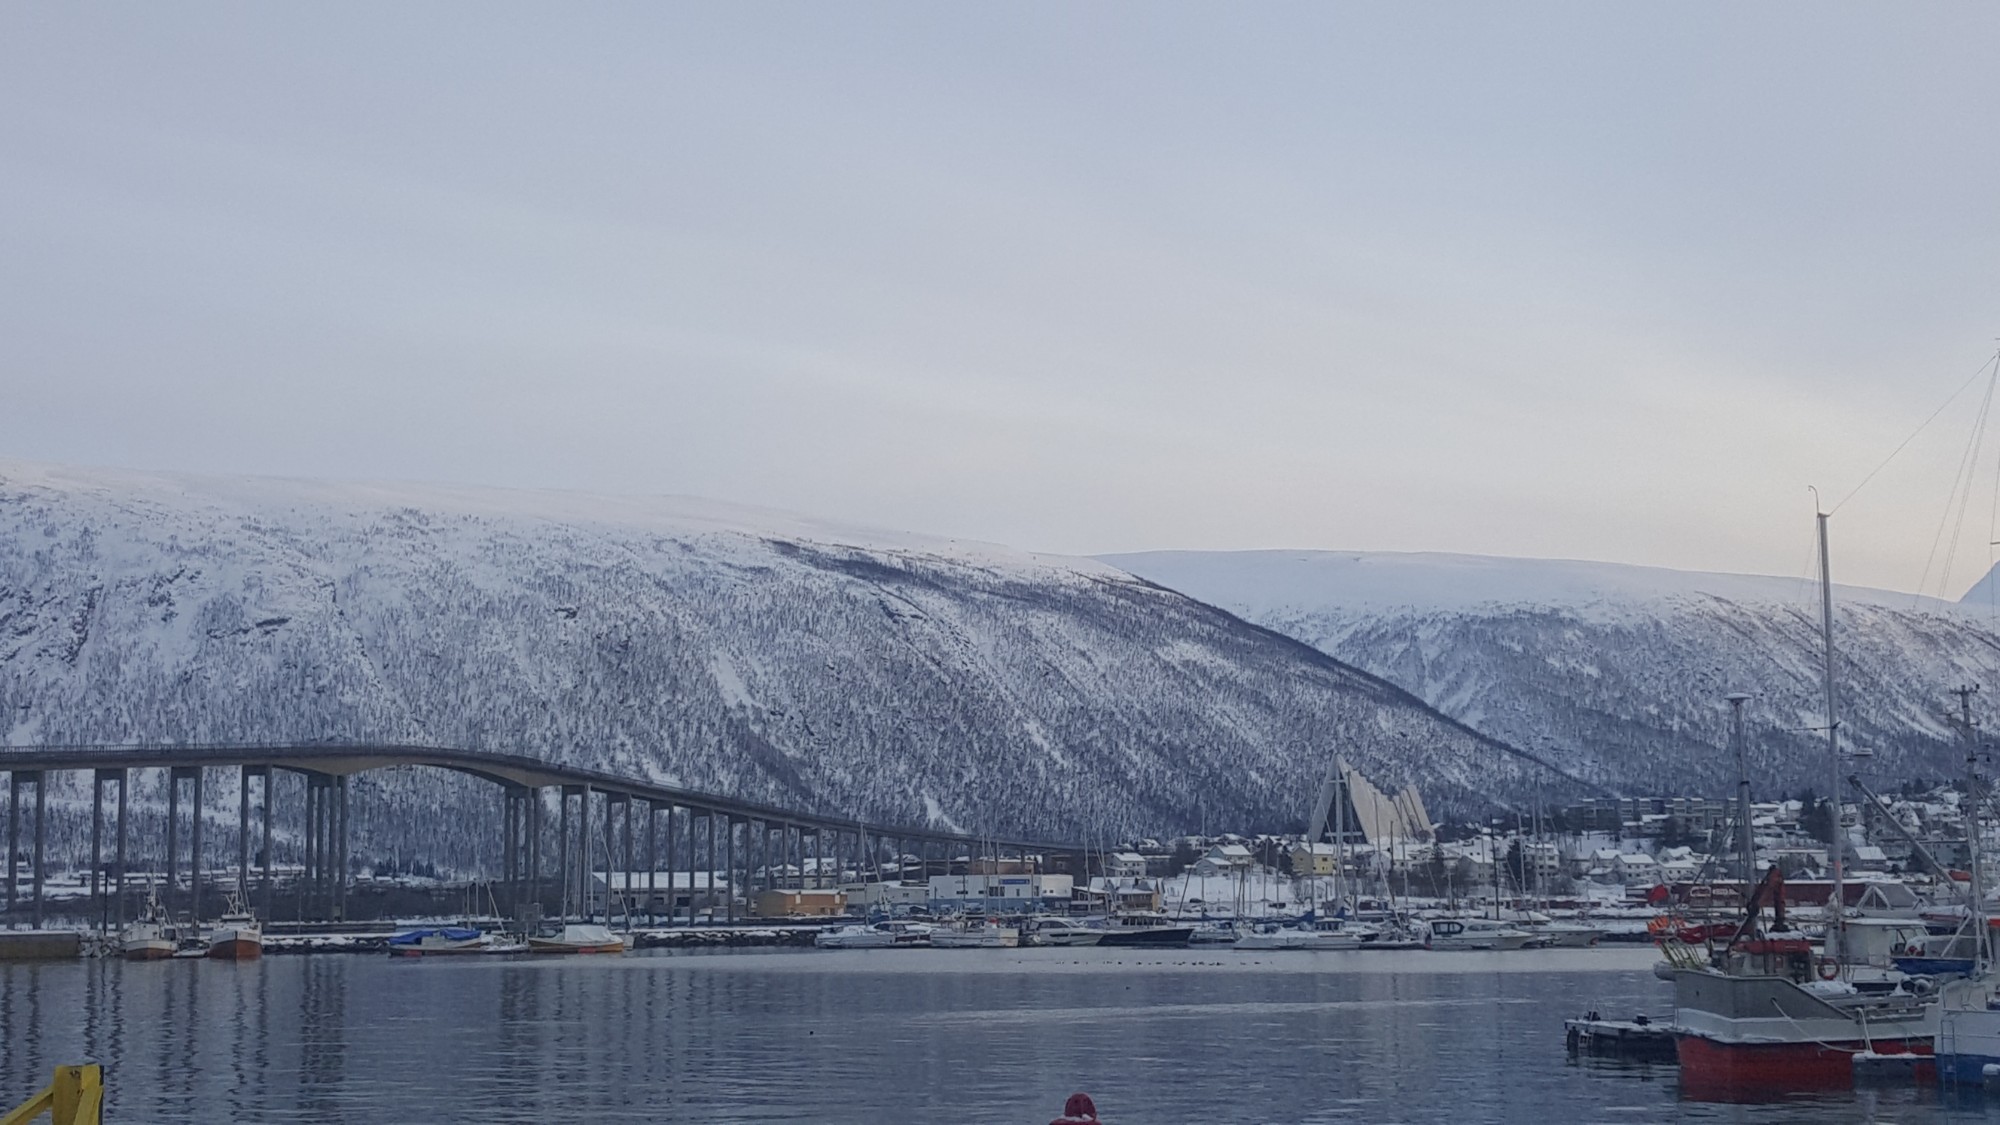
1463, 933
1150, 930
150, 937
1059, 932
1309, 934
236, 936
875, 935
578, 938
980, 934
1762, 1015
439, 941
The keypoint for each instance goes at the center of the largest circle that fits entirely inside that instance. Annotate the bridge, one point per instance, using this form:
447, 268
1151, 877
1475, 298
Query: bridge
786, 849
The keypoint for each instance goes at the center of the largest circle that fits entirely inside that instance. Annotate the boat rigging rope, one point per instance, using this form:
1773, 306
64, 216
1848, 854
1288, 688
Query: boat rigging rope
1961, 491
1869, 1047
1913, 435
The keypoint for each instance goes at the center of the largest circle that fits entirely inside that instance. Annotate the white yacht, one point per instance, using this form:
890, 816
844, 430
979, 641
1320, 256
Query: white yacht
1321, 934
1060, 931
875, 935
1457, 932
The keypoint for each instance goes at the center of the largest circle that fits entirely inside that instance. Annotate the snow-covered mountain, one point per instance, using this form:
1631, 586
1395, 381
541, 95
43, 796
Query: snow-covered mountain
728, 650
1617, 673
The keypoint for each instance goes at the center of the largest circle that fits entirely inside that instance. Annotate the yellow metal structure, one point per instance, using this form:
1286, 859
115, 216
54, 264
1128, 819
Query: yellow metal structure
74, 1097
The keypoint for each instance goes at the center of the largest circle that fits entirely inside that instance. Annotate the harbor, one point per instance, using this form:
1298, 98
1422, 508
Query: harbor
805, 1035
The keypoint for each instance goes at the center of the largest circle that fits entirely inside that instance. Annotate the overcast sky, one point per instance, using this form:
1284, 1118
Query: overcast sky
1595, 281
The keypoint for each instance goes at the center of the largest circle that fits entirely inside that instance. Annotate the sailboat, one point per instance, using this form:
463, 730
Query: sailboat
1968, 1042
1760, 1014
575, 937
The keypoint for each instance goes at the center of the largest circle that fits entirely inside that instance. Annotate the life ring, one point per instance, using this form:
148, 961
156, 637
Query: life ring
1828, 968
1913, 950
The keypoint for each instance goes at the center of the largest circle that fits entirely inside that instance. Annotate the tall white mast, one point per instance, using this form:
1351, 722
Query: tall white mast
1836, 923
1972, 807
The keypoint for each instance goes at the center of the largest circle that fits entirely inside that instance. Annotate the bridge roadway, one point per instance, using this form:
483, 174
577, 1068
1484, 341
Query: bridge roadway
525, 883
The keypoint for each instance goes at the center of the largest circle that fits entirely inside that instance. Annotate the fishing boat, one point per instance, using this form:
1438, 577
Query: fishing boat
236, 936
578, 938
150, 937
439, 941
1759, 1014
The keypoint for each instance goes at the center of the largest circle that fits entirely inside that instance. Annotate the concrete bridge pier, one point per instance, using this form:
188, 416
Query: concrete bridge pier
37, 859
520, 847
729, 865
107, 891
614, 805
191, 776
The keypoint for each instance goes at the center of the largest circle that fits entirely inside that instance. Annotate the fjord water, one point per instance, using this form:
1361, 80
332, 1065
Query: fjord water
866, 1037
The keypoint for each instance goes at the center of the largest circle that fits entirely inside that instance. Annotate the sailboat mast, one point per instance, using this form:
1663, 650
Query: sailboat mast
1971, 807
1836, 903
1746, 841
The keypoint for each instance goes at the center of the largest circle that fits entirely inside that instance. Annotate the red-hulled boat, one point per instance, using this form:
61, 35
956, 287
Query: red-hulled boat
1761, 1015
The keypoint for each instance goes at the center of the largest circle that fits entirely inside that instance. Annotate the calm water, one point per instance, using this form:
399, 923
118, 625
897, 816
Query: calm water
867, 1037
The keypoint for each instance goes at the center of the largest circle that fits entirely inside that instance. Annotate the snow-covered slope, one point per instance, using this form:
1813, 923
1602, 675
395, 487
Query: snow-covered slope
1618, 672
734, 651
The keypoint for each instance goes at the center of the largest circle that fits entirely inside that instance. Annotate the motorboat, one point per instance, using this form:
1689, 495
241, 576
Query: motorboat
1221, 932
875, 935
1060, 931
1143, 928
1310, 934
982, 934
439, 941
1455, 932
578, 938
1565, 935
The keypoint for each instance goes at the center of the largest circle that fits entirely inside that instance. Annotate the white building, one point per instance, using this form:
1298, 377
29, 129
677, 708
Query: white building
1000, 893
1125, 865
1224, 859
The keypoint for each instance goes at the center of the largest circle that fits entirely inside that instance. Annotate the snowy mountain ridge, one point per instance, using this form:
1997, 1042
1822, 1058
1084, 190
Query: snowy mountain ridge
1274, 582
872, 674
1618, 672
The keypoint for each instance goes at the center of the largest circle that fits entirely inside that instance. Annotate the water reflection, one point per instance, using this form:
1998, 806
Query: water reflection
862, 1037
